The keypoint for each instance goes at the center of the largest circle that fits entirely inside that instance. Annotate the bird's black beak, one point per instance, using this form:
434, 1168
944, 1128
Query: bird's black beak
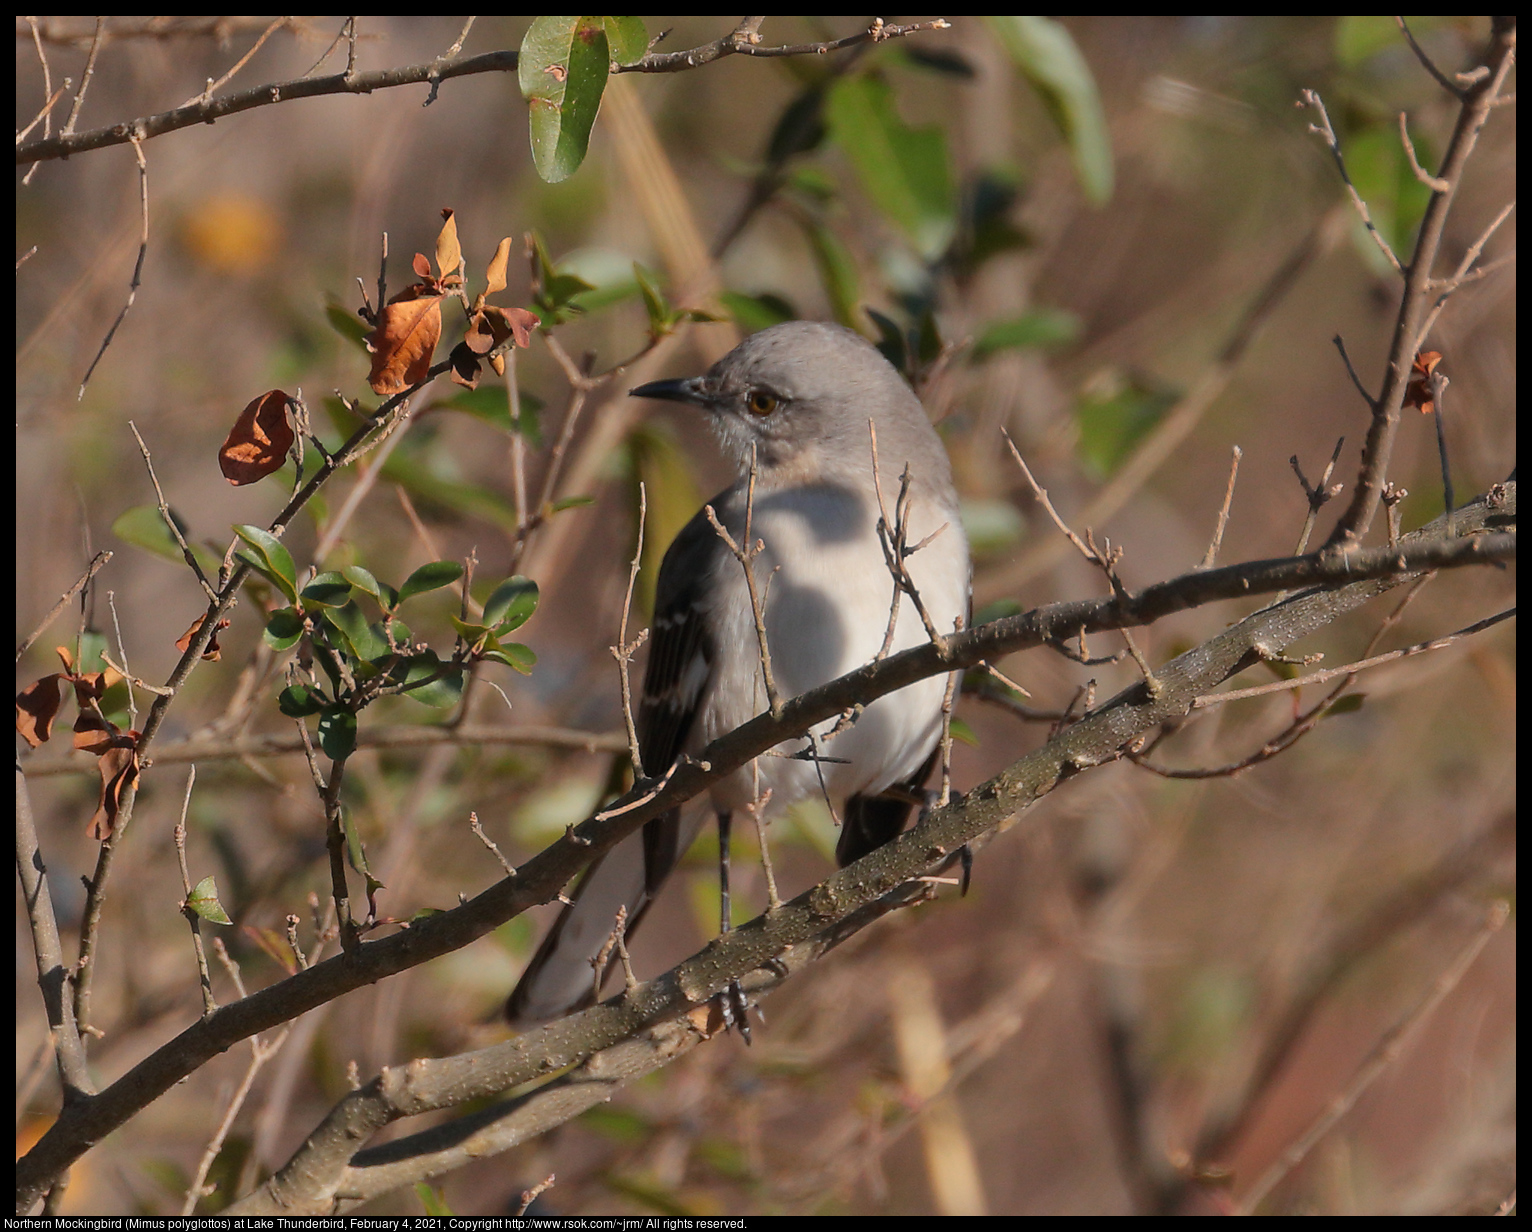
688, 390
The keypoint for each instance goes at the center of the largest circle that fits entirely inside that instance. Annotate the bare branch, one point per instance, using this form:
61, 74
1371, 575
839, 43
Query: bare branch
1310, 98
1211, 555
744, 41
95, 566
138, 266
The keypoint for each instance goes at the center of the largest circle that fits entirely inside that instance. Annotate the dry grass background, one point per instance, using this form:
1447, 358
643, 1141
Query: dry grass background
1104, 991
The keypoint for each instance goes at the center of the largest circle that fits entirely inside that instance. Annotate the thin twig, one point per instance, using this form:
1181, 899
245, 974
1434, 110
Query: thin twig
1310, 98
209, 1005
1405, 652
1421, 174
744, 41
746, 555
623, 652
95, 566
169, 519
90, 69
1211, 555
1420, 54
473, 824
1340, 346
1318, 494
1385, 1052
138, 266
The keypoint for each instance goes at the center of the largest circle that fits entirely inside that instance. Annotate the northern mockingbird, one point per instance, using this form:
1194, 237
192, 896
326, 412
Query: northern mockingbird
797, 399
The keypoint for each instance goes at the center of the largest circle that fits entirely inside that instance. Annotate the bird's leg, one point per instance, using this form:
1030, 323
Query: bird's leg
732, 999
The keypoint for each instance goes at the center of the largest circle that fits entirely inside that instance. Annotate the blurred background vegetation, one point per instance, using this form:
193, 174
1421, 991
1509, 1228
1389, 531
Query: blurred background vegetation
1053, 229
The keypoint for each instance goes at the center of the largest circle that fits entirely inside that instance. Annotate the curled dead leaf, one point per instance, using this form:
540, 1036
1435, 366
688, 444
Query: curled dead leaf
1418, 393
409, 327
258, 443
37, 706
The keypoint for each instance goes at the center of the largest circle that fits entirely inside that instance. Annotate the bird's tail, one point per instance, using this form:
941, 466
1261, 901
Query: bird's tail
560, 978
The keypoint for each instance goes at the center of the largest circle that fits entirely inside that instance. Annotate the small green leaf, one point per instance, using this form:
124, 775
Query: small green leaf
963, 734
562, 71
357, 854
1350, 703
432, 1200
328, 589
441, 692
283, 628
627, 38
571, 502
513, 655
837, 271
337, 732
431, 576
204, 901
662, 317
269, 558
1115, 417
511, 604
346, 323
753, 313
473, 634
298, 701
363, 580
1048, 58
1040, 328
358, 636
143, 527
903, 170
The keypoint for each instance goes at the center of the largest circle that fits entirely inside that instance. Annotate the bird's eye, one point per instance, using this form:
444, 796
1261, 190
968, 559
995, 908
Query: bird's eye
761, 402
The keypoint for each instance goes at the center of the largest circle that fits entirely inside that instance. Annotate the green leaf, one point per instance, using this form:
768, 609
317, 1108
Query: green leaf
298, 701
991, 525
1048, 58
1395, 198
511, 604
337, 732
1039, 328
328, 589
1350, 703
963, 734
1114, 420
442, 692
473, 634
432, 1200
143, 527
346, 323
269, 558
662, 316
572, 502
903, 170
363, 580
357, 854
283, 628
562, 71
753, 313
837, 271
431, 576
204, 901
627, 38
489, 404
514, 655
361, 639
998, 610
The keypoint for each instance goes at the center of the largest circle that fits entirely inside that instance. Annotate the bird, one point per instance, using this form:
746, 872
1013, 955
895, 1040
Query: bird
796, 407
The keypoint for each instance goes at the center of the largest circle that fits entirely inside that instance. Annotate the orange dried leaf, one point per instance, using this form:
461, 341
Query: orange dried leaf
409, 328
511, 322
421, 266
495, 274
37, 706
449, 254
213, 652
274, 945
259, 441
119, 771
1418, 392
497, 362
465, 367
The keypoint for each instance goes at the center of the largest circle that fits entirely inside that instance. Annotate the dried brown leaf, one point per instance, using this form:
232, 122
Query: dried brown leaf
37, 706
449, 253
258, 443
495, 274
409, 327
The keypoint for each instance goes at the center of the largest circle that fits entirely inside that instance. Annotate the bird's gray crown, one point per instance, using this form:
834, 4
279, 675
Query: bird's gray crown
801, 393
